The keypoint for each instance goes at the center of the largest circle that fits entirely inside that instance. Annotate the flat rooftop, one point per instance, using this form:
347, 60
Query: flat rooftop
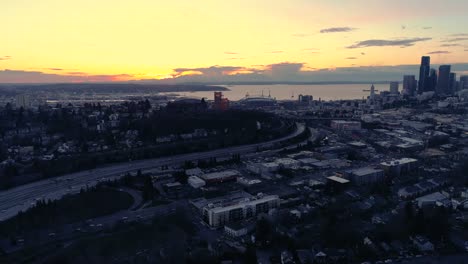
338, 179
365, 171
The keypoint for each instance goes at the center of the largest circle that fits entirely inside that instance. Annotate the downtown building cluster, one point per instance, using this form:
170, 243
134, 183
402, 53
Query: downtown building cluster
441, 82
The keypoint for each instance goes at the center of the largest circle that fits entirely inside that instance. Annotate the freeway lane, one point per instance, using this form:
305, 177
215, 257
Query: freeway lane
23, 197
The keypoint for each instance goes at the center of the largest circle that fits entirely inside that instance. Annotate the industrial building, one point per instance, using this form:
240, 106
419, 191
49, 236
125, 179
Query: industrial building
220, 103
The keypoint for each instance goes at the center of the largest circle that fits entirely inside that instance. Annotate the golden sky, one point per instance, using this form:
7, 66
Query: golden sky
146, 39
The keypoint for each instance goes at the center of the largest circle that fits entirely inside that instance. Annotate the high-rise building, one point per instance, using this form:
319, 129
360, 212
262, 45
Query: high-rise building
453, 82
394, 87
463, 82
432, 84
424, 71
22, 100
409, 85
443, 82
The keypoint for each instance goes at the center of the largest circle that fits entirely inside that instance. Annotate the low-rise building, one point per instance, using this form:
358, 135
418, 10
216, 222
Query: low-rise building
398, 167
196, 182
366, 175
342, 125
220, 176
238, 229
422, 243
220, 214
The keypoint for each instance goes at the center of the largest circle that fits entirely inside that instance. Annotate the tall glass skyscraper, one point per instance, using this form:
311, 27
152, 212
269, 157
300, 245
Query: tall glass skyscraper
424, 71
443, 82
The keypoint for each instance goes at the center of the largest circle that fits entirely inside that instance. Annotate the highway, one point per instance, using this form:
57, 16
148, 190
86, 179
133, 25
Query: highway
23, 197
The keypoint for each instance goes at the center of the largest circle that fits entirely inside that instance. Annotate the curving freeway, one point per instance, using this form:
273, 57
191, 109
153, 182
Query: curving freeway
23, 197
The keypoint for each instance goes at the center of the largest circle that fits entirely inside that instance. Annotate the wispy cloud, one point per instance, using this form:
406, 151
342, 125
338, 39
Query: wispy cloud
18, 76
312, 50
426, 28
450, 45
363, 53
351, 58
382, 43
337, 29
459, 35
455, 39
301, 35
55, 69
275, 51
439, 52
230, 53
5, 58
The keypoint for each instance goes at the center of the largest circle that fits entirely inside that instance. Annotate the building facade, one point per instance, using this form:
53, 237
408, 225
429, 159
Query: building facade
424, 72
443, 82
219, 215
409, 85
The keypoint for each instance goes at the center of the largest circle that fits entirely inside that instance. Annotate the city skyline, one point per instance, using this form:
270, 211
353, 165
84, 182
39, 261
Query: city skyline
185, 41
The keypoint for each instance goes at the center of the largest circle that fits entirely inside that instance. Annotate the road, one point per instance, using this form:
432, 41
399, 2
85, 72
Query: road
92, 227
23, 197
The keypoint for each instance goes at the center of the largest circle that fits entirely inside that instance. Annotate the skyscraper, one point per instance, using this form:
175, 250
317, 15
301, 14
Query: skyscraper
394, 87
463, 82
453, 82
432, 84
443, 82
409, 85
424, 71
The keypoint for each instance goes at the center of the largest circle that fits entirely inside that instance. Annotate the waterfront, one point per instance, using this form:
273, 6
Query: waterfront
291, 92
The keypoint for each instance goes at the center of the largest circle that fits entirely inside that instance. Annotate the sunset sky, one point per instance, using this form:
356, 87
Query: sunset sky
106, 40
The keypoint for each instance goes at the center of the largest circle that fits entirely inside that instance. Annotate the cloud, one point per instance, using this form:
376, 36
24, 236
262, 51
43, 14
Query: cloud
5, 58
403, 27
275, 51
312, 50
18, 76
459, 35
450, 45
337, 29
236, 58
383, 43
351, 58
55, 69
455, 40
426, 28
439, 52
301, 35
283, 72
363, 53
230, 53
